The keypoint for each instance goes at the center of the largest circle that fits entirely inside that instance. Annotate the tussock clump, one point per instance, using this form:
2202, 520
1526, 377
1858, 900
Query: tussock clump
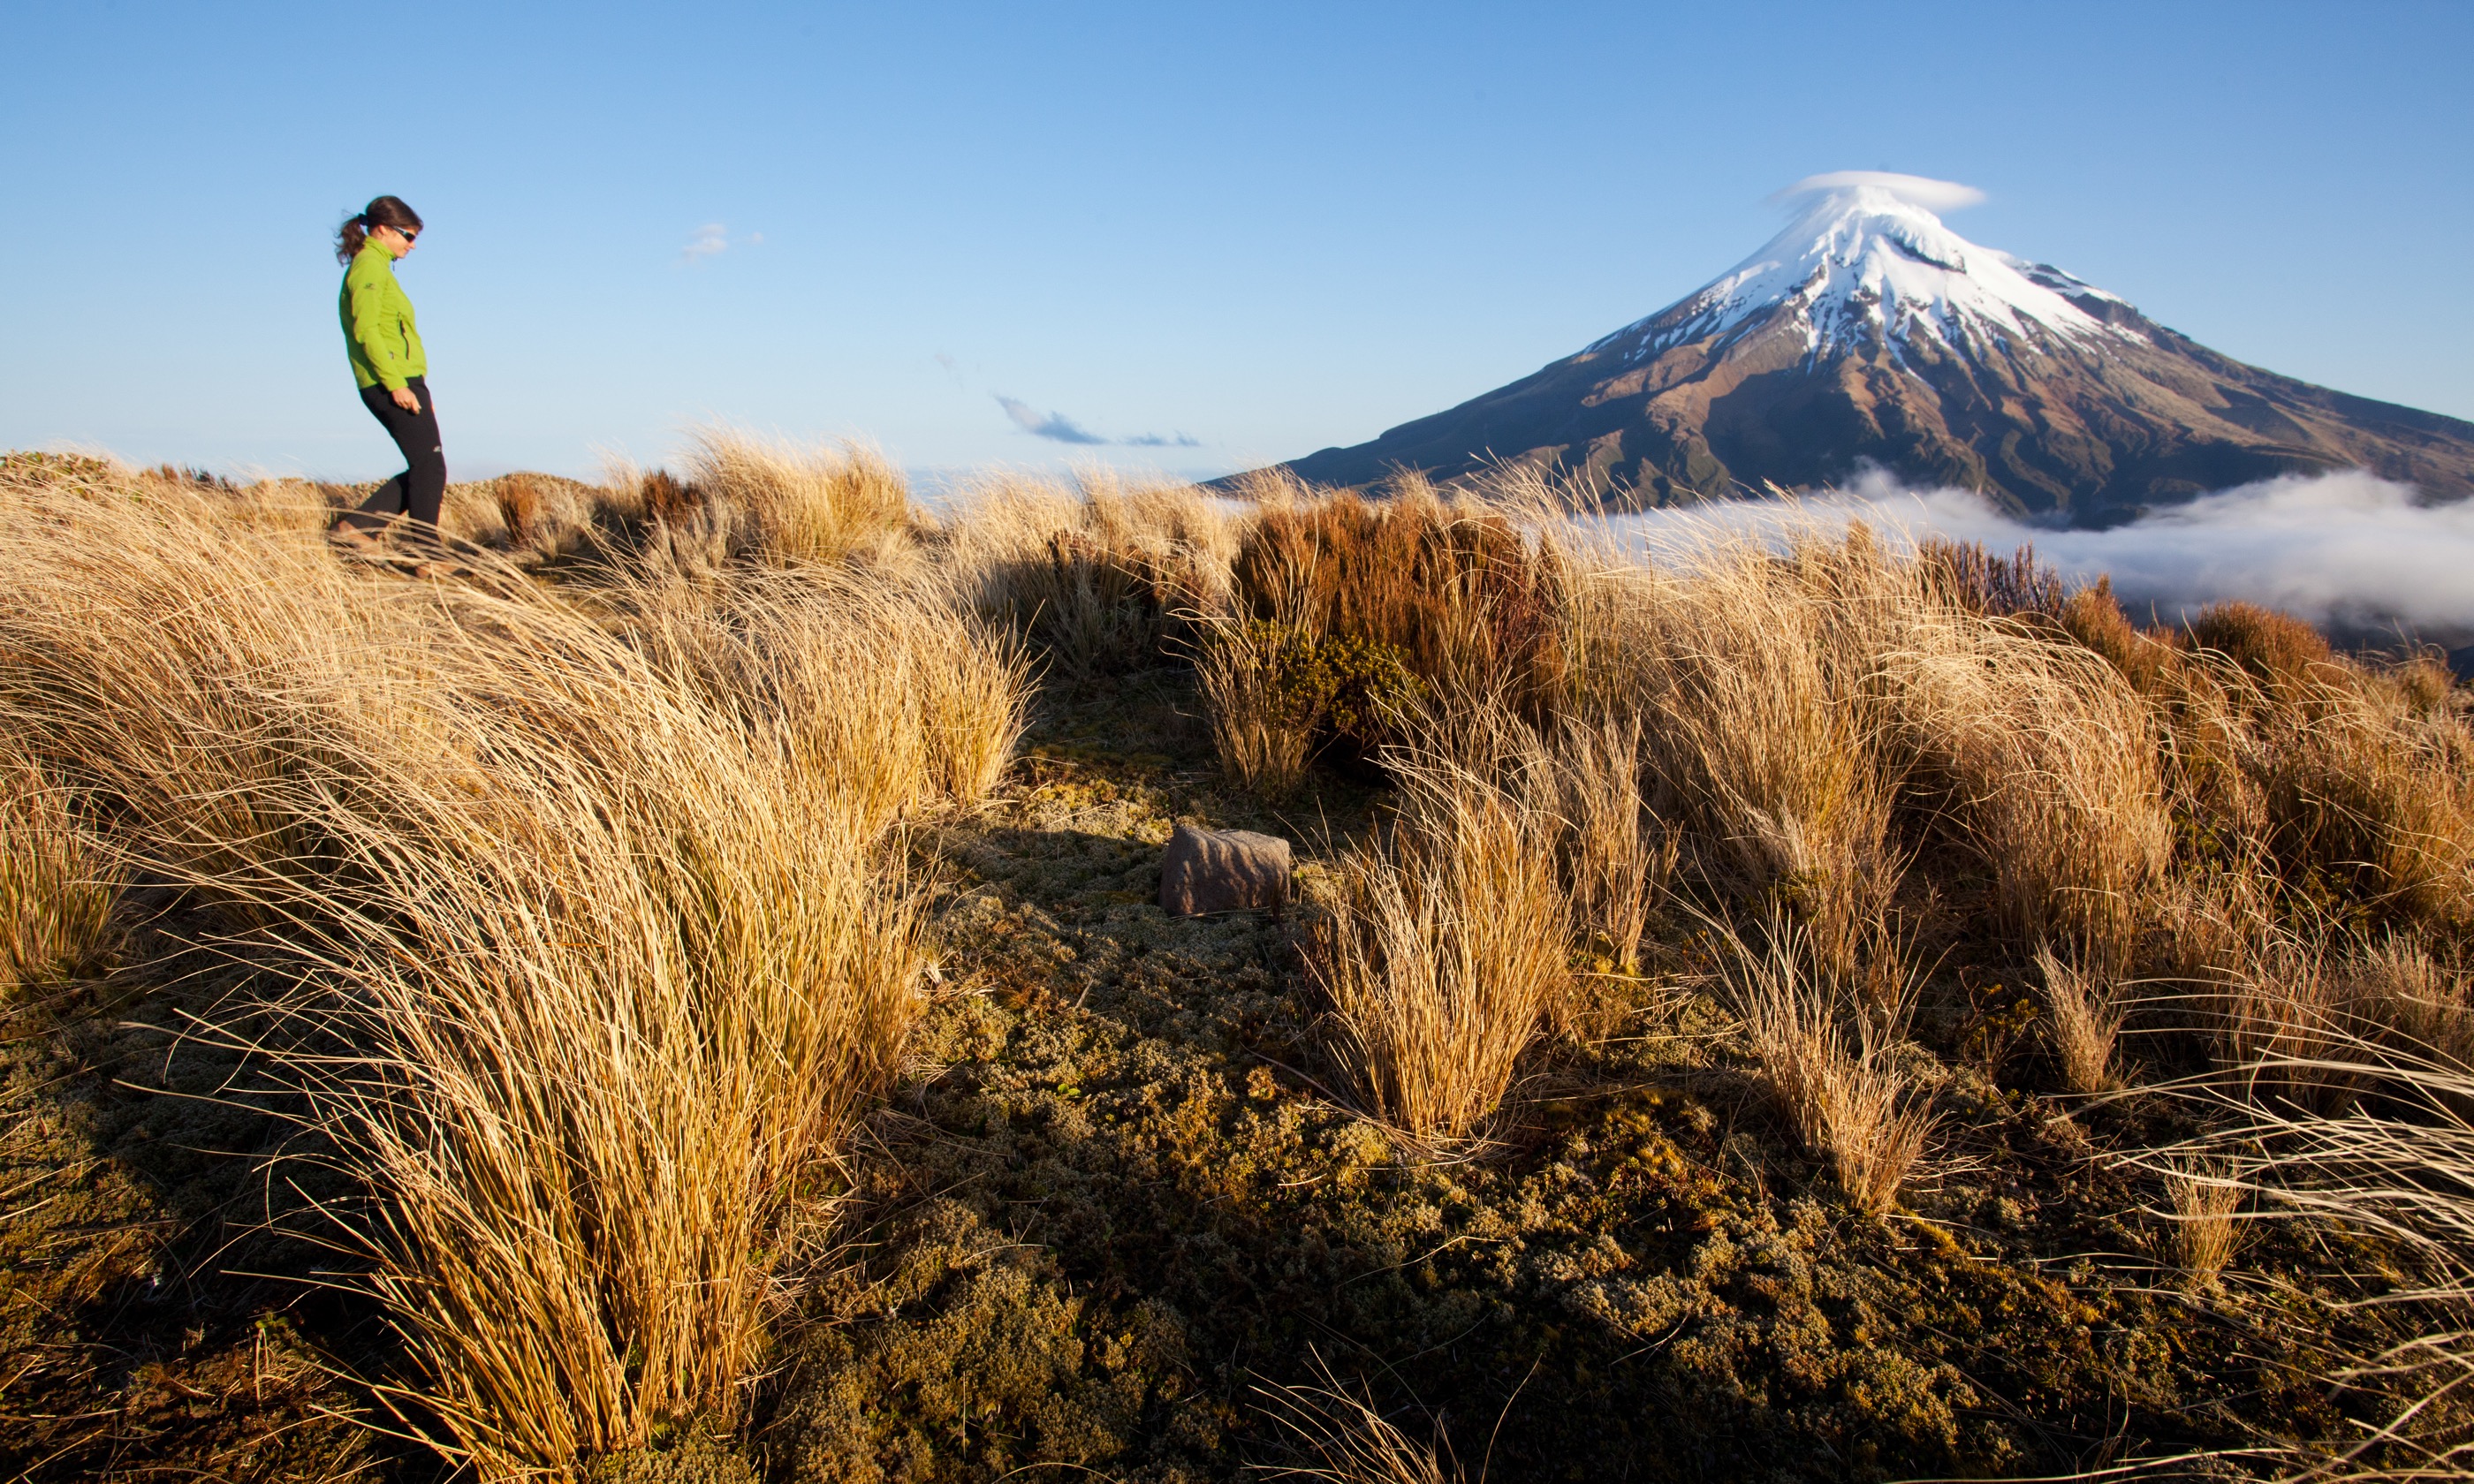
1832, 1064
2411, 1002
1748, 675
2203, 1203
2084, 1015
538, 515
1263, 738
2359, 787
1107, 579
1443, 950
1279, 696
885, 696
2275, 649
1619, 856
57, 882
2041, 760
780, 502
589, 971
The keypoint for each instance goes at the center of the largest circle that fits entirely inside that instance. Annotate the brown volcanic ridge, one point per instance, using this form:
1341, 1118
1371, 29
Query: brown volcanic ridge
1867, 332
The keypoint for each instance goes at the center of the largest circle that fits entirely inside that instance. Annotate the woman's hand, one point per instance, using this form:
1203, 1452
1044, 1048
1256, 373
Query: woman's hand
405, 399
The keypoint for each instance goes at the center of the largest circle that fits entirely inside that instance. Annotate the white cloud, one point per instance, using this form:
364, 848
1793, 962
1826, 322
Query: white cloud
711, 239
2345, 550
1916, 190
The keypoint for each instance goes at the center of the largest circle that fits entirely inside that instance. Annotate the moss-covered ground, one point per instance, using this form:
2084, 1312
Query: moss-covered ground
1119, 1197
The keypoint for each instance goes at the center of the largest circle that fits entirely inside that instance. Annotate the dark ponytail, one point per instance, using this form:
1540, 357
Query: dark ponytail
384, 211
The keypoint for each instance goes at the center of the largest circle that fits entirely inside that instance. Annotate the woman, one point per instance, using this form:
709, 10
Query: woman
388, 363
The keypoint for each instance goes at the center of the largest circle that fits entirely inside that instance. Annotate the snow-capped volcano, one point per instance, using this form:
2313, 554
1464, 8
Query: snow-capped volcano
1864, 261
1868, 331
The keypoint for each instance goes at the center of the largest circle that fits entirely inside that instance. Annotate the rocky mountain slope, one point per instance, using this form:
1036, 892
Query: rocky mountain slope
1869, 333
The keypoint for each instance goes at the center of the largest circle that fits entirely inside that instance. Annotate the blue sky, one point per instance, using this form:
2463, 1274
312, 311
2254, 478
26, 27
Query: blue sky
1261, 227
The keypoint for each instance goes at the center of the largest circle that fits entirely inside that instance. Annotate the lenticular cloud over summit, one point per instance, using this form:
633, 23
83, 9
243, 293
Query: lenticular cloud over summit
1915, 190
2345, 551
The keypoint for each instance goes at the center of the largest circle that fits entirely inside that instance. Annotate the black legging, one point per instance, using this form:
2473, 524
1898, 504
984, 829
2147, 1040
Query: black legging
419, 489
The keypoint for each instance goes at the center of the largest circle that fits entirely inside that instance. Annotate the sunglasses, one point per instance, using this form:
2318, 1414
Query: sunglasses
408, 237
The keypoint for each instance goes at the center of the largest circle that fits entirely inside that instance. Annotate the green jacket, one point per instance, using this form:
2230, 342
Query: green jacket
379, 332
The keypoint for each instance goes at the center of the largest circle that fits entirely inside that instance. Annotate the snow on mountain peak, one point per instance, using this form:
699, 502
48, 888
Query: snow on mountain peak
1864, 258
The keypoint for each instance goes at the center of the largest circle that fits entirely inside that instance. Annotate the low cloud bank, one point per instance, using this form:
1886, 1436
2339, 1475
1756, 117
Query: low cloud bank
2356, 555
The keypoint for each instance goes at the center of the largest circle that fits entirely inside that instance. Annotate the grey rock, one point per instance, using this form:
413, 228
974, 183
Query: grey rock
1223, 871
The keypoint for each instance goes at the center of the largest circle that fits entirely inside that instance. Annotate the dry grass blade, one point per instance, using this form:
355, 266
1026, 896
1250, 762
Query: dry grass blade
2398, 1166
1337, 1435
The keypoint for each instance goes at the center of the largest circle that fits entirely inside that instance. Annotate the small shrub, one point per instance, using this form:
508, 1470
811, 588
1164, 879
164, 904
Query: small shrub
1459, 593
667, 500
2094, 617
1967, 577
520, 500
1278, 695
2275, 648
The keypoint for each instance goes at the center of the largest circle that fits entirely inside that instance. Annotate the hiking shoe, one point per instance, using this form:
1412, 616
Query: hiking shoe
353, 541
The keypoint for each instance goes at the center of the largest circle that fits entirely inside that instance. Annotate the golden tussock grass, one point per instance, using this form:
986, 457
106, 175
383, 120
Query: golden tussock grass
586, 969
1443, 950
1747, 673
2204, 1205
2413, 1003
881, 694
1262, 739
1620, 857
1104, 578
789, 502
2083, 1019
2043, 761
57, 883
1832, 1061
